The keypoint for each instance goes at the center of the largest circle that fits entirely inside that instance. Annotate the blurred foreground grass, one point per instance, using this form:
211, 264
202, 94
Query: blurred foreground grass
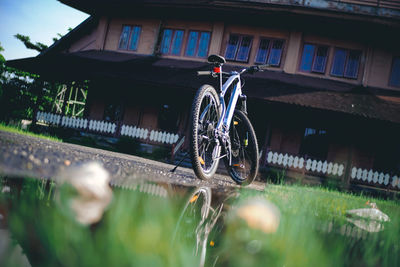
313, 231
137, 229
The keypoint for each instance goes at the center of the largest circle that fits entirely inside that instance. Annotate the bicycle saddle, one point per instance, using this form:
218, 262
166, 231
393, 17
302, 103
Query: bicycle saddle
216, 59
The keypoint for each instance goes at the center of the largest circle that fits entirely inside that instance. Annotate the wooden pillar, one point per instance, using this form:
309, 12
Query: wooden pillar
66, 98
349, 164
119, 119
157, 43
267, 141
38, 101
87, 103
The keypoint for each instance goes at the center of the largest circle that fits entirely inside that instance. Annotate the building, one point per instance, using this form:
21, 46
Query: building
329, 105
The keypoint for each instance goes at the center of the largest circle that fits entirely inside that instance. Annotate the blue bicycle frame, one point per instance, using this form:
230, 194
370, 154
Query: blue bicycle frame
227, 112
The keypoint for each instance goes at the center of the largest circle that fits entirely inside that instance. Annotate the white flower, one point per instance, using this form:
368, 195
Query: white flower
260, 214
91, 181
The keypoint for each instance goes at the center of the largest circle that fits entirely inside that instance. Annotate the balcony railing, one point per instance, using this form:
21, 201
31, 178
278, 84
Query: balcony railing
358, 176
110, 128
375, 178
306, 166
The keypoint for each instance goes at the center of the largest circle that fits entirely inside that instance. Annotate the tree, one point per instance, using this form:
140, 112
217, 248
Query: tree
20, 91
40, 47
2, 67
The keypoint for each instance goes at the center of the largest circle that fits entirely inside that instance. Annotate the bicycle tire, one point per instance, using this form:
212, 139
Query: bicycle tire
201, 153
245, 157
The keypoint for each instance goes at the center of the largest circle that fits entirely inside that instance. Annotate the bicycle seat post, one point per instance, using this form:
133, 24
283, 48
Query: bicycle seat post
218, 69
218, 61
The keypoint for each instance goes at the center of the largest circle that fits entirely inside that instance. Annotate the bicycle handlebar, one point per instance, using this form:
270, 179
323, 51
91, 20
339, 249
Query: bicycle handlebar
204, 72
251, 70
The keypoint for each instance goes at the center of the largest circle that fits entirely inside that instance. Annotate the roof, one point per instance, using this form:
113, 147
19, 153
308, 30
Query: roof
268, 86
385, 8
83, 28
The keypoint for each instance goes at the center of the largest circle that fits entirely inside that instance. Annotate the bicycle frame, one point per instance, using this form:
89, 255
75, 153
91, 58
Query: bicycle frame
227, 112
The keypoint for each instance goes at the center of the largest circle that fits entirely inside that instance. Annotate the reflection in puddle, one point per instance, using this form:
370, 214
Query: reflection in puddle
368, 219
158, 224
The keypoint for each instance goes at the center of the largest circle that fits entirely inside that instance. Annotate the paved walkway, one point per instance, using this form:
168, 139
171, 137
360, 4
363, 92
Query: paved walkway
26, 156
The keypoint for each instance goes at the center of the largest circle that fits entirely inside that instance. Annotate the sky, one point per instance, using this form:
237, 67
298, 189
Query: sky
41, 20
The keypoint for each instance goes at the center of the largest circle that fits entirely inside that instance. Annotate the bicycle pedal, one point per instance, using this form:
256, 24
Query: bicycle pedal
202, 162
194, 198
241, 166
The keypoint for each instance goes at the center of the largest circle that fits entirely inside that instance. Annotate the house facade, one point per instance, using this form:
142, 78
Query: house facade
328, 106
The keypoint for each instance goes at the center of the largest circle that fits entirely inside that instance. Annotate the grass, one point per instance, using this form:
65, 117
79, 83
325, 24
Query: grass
137, 229
314, 232
17, 129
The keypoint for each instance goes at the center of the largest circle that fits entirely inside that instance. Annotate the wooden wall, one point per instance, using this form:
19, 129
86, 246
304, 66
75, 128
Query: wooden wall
375, 64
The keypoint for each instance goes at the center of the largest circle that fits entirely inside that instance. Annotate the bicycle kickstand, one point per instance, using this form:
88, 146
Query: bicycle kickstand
179, 163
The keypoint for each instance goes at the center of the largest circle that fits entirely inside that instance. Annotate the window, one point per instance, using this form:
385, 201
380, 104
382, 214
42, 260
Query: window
129, 39
168, 118
171, 43
113, 111
269, 51
314, 58
197, 44
238, 48
315, 144
345, 63
395, 74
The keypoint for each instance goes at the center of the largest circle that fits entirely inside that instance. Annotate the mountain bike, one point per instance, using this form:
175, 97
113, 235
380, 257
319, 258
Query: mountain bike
223, 132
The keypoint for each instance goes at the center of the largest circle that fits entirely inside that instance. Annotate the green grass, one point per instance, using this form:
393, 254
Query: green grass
137, 229
313, 231
18, 130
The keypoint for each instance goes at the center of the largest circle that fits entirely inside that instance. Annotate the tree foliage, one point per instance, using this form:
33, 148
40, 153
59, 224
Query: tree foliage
26, 40
21, 91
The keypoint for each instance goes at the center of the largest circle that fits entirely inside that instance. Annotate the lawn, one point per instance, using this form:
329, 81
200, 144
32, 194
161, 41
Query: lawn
19, 130
313, 231
142, 227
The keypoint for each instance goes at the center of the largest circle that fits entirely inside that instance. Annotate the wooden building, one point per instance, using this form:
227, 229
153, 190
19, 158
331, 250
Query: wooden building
329, 105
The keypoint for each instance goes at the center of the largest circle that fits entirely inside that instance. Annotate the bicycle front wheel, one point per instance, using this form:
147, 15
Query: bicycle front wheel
204, 151
244, 150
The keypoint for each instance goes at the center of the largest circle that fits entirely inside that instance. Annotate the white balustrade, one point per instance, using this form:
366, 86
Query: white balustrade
153, 135
310, 165
48, 118
99, 126
374, 177
78, 123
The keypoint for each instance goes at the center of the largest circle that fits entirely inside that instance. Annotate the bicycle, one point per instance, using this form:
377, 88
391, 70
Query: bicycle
223, 132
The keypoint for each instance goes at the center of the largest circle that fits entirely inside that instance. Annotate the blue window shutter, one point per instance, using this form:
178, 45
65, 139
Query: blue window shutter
203, 44
244, 49
232, 47
395, 74
262, 52
166, 41
177, 43
135, 38
192, 43
307, 57
339, 62
274, 58
124, 39
353, 62
321, 56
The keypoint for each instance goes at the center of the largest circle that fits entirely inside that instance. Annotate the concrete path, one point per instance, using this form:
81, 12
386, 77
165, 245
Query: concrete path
26, 156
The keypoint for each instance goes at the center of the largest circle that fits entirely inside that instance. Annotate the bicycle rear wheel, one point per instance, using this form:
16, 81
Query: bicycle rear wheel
204, 152
244, 150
